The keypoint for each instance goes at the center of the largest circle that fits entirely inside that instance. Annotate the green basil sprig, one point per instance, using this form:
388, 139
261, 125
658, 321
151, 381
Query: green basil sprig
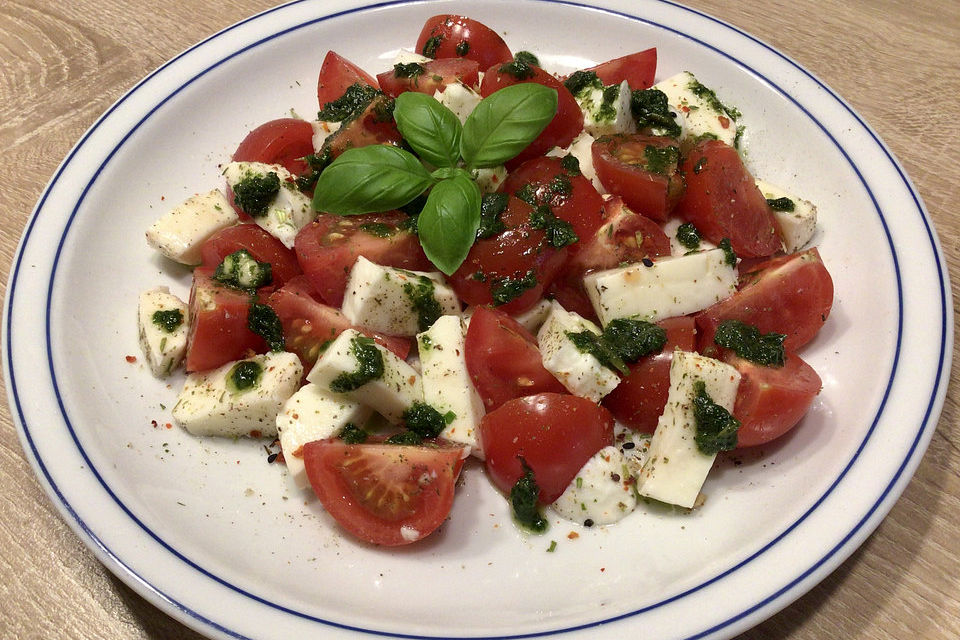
381, 177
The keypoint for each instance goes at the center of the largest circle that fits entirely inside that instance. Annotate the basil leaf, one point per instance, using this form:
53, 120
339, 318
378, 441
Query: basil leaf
370, 179
444, 173
448, 223
429, 127
505, 122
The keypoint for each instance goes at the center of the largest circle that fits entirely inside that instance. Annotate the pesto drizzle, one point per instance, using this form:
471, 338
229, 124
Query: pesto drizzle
423, 301
748, 343
523, 499
369, 366
167, 319
716, 427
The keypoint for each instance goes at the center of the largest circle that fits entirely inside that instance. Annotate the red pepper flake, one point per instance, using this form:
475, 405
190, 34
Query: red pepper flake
602, 569
168, 426
573, 535
154, 424
162, 198
131, 359
255, 434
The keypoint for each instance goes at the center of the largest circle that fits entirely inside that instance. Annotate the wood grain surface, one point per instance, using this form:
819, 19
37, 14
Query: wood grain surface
897, 62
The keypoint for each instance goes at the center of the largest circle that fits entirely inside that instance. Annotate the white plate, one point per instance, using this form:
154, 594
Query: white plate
218, 538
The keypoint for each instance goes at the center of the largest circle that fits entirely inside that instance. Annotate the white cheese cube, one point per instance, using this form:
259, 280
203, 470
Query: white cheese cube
602, 491
582, 149
405, 56
459, 98
389, 395
534, 317
210, 403
580, 372
796, 227
671, 286
606, 110
675, 468
390, 300
181, 232
446, 382
489, 179
321, 131
676, 249
289, 211
313, 413
163, 349
701, 111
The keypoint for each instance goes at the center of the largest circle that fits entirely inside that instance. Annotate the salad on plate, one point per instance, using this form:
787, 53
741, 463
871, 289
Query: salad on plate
574, 281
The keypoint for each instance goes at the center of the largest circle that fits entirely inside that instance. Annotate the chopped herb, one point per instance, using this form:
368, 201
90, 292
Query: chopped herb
263, 321
552, 547
351, 104
729, 256
242, 271
424, 420
254, 193
408, 70
711, 98
463, 48
651, 110
738, 138
492, 206
661, 160
527, 58
167, 319
425, 342
580, 80
506, 289
716, 428
378, 229
369, 366
688, 235
352, 434
523, 498
244, 375
423, 301
449, 417
405, 438
748, 343
559, 232
518, 69
431, 45
571, 165
781, 204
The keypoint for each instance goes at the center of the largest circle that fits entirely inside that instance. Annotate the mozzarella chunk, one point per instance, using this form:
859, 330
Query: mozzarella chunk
446, 382
321, 131
702, 115
181, 232
796, 227
459, 98
675, 468
211, 405
313, 413
389, 395
606, 110
489, 179
389, 300
676, 249
580, 372
671, 286
164, 350
582, 149
534, 317
405, 56
634, 445
602, 490
289, 211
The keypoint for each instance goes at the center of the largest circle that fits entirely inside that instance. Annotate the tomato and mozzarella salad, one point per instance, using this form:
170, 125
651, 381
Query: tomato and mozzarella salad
573, 279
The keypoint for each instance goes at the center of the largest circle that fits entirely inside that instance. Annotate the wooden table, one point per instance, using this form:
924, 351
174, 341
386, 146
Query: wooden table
63, 63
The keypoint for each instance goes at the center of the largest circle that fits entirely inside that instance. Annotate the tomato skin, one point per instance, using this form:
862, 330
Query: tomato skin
518, 250
436, 76
722, 201
771, 400
638, 69
625, 236
336, 75
791, 295
503, 359
285, 141
621, 165
261, 245
218, 324
640, 397
581, 206
565, 126
376, 491
555, 434
328, 247
483, 44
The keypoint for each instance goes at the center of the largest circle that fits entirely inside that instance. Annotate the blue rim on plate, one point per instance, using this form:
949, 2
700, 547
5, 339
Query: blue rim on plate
829, 560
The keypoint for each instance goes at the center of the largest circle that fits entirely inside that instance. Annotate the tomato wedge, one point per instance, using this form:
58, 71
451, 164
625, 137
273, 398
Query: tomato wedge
384, 494
285, 141
449, 36
642, 170
261, 245
437, 74
638, 69
218, 324
554, 434
336, 75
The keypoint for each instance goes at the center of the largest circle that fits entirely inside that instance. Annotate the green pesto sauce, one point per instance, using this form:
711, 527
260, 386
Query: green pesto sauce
716, 428
351, 104
244, 375
631, 339
369, 366
378, 229
431, 45
558, 231
781, 204
408, 70
462, 48
405, 438
523, 499
317, 163
587, 341
528, 194
352, 434
167, 319
688, 235
560, 185
492, 206
518, 69
711, 98
506, 289
241, 270
571, 165
661, 160
254, 193
423, 301
581, 80
728, 254
748, 343
263, 321
424, 420
527, 58
426, 343
607, 111
651, 110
